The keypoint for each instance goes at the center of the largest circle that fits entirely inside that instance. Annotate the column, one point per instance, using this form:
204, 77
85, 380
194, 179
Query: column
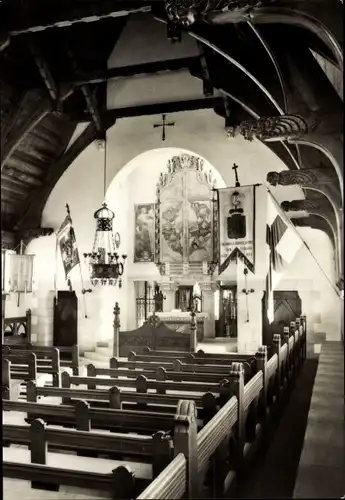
45, 317
3, 305
168, 289
208, 290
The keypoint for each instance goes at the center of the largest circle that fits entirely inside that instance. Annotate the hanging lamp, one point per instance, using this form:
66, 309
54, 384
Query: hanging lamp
105, 263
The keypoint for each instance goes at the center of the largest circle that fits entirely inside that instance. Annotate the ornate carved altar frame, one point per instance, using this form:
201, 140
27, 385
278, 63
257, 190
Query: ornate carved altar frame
176, 165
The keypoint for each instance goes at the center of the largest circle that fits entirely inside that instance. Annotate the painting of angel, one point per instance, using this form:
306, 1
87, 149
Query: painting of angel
144, 239
171, 232
200, 232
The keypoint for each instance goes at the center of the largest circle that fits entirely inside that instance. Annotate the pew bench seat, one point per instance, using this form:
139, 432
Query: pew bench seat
19, 488
21, 455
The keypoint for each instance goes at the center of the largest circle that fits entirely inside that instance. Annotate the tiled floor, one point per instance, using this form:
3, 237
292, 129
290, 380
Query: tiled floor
321, 471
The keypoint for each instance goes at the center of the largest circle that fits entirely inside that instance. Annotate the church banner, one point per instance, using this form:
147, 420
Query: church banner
68, 245
236, 226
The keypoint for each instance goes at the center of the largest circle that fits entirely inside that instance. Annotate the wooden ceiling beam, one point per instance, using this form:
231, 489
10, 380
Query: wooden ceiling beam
150, 109
90, 99
9, 197
44, 71
32, 212
12, 187
205, 75
29, 112
20, 180
99, 76
64, 14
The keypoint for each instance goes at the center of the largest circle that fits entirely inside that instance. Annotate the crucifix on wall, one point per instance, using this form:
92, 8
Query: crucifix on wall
163, 125
234, 168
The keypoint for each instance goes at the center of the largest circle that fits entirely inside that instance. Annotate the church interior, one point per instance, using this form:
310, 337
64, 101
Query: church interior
172, 249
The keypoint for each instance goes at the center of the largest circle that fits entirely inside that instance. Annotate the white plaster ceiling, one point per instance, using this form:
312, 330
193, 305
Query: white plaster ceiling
152, 44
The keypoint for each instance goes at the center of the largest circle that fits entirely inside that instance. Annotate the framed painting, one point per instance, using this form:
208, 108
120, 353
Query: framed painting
144, 232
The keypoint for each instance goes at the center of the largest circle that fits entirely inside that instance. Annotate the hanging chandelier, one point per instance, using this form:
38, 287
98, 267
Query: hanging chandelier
105, 263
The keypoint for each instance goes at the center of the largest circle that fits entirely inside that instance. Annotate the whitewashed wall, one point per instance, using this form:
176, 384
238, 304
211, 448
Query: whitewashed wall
200, 132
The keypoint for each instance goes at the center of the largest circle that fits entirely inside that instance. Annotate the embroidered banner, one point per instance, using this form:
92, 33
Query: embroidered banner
68, 245
236, 226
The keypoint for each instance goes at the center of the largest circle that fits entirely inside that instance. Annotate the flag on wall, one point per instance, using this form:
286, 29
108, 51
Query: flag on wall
236, 226
283, 243
68, 245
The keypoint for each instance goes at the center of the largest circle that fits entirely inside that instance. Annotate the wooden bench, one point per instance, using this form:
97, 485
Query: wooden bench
207, 404
69, 356
220, 447
209, 454
179, 372
24, 368
156, 452
21, 360
18, 330
84, 417
224, 445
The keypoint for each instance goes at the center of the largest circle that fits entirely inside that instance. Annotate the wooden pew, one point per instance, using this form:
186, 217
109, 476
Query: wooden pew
207, 404
83, 417
156, 450
253, 394
170, 364
143, 385
12, 329
211, 359
226, 435
20, 361
26, 371
176, 371
206, 450
69, 356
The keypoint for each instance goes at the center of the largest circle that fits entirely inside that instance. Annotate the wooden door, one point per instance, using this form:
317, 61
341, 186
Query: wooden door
226, 326
287, 307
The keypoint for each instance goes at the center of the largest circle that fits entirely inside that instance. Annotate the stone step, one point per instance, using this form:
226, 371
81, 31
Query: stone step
97, 356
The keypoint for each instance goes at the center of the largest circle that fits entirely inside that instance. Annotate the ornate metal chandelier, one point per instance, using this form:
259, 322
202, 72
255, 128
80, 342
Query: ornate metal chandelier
105, 263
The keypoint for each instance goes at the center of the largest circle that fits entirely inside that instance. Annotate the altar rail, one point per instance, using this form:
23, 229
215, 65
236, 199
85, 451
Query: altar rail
18, 330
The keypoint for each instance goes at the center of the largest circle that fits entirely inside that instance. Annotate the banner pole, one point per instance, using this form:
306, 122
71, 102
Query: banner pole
56, 267
288, 221
83, 290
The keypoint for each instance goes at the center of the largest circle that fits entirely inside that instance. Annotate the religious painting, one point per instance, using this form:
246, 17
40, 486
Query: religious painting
186, 217
236, 226
172, 238
144, 239
199, 231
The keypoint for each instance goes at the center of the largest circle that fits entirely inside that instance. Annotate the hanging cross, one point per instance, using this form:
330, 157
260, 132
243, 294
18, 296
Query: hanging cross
234, 168
163, 125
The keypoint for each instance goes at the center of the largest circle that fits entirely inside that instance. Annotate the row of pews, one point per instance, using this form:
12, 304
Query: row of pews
156, 425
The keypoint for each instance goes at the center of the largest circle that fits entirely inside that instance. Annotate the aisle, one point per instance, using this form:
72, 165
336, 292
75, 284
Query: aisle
274, 473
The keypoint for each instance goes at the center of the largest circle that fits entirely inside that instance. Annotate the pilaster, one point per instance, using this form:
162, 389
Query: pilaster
208, 288
45, 317
168, 288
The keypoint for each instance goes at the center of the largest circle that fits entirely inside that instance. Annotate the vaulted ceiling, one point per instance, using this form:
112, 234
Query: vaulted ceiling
257, 60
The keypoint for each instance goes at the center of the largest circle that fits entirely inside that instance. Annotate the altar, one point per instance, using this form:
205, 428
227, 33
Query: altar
180, 322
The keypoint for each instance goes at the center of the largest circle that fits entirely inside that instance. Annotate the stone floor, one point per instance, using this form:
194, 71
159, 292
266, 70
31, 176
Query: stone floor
321, 472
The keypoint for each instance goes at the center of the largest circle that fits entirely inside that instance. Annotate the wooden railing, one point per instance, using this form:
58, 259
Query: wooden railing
18, 329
